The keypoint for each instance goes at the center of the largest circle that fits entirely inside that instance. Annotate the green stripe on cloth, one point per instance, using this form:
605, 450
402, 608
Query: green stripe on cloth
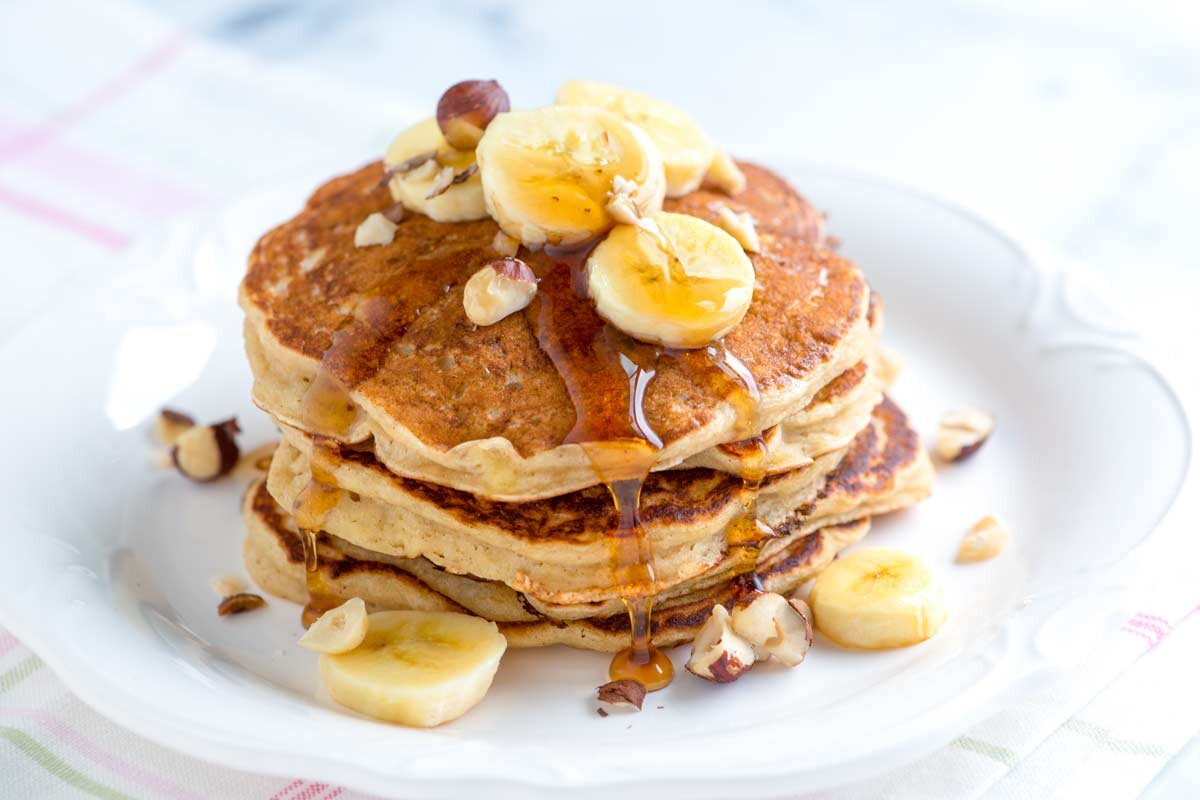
56, 766
1104, 738
986, 749
19, 673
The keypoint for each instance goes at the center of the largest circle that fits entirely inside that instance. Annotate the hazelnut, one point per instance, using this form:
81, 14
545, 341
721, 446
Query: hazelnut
503, 287
505, 245
375, 229
467, 108
777, 629
207, 452
961, 433
740, 226
170, 425
983, 540
724, 174
395, 214
338, 630
240, 603
718, 653
626, 693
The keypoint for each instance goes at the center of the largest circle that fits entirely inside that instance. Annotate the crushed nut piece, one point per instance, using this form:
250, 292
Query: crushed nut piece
891, 364
961, 433
602, 712
376, 229
505, 245
777, 629
625, 693
739, 226
240, 603
718, 653
441, 183
412, 163
207, 452
228, 585
986, 539
725, 174
395, 214
503, 287
170, 425
338, 630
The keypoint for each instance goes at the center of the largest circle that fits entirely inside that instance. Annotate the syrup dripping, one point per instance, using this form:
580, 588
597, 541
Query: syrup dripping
607, 375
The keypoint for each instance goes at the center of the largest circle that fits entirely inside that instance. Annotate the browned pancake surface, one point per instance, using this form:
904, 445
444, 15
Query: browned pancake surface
424, 365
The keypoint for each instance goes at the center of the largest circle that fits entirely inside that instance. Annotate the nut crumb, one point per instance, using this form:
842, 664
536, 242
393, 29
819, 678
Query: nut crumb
622, 693
240, 603
171, 424
505, 245
441, 183
740, 226
376, 229
724, 174
602, 712
984, 540
961, 433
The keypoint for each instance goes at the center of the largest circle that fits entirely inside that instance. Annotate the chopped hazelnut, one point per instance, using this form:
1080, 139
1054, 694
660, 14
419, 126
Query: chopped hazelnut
625, 692
961, 433
505, 245
207, 452
718, 653
503, 287
240, 603
467, 108
338, 630
739, 226
376, 229
777, 629
986, 539
170, 425
725, 174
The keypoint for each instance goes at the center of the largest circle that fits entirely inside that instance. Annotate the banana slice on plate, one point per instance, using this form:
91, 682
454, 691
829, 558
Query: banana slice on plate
548, 174
672, 279
686, 150
418, 668
877, 598
432, 178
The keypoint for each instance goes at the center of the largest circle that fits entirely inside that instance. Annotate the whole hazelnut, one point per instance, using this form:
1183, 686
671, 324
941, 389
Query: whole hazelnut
207, 452
465, 110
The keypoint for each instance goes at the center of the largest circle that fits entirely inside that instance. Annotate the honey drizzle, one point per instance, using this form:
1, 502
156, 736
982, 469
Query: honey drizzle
606, 375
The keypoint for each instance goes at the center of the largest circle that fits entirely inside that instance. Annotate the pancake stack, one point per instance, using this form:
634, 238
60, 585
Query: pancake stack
429, 463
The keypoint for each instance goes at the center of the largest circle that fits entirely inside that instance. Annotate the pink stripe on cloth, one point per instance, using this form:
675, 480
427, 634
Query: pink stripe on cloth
1141, 634
104, 94
8, 643
286, 790
1141, 624
89, 750
311, 791
61, 218
335, 793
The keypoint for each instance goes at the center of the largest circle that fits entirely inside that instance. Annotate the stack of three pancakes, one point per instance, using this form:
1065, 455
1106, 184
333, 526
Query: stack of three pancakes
444, 466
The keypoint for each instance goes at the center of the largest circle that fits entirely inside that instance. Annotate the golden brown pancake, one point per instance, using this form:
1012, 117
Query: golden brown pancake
484, 409
558, 551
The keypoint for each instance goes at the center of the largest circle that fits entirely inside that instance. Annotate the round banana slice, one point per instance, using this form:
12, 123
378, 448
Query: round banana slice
548, 174
685, 148
418, 668
432, 178
672, 279
877, 598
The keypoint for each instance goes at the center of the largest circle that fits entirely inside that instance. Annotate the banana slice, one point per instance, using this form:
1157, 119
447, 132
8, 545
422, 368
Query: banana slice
547, 174
877, 598
419, 668
686, 150
673, 279
418, 175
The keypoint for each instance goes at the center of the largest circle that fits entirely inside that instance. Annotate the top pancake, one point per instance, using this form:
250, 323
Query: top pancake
485, 409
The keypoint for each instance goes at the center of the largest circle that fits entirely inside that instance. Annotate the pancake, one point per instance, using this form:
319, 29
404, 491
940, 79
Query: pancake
485, 409
558, 551
275, 560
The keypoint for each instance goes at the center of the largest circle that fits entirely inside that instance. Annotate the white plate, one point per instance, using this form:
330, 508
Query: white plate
107, 560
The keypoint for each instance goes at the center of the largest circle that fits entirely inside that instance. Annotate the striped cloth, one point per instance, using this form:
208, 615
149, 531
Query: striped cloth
126, 121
